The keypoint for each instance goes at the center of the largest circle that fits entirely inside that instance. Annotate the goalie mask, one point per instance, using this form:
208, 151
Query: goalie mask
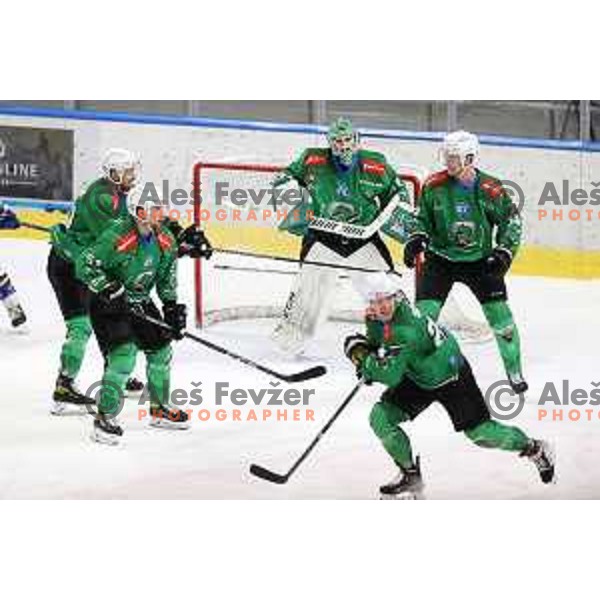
460, 149
122, 167
343, 140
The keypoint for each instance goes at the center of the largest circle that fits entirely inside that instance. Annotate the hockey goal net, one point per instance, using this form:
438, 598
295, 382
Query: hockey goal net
235, 205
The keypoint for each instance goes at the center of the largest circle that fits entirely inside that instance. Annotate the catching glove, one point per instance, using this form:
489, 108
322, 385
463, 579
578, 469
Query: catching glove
194, 243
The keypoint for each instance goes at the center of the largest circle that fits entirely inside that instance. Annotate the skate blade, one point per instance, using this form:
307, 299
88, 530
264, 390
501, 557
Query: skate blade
63, 409
403, 496
164, 424
105, 439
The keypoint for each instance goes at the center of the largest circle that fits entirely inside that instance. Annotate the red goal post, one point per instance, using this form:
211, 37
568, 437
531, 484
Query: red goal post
202, 170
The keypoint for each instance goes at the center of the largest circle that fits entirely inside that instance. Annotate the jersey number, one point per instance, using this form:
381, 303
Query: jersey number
436, 333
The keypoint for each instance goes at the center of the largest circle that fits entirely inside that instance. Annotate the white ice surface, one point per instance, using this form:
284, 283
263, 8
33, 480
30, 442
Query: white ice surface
52, 457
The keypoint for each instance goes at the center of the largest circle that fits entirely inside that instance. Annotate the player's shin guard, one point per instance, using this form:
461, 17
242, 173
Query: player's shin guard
158, 372
492, 434
384, 420
501, 321
305, 309
120, 363
430, 308
79, 331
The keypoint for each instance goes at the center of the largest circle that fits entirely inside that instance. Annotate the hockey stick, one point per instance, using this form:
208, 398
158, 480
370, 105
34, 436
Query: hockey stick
257, 270
302, 262
268, 475
298, 377
349, 230
254, 270
34, 226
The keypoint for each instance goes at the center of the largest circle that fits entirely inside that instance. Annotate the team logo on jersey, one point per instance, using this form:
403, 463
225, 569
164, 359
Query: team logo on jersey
463, 233
342, 211
463, 209
342, 189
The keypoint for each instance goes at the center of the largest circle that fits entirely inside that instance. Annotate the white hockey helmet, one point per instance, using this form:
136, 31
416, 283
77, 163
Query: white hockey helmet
463, 144
376, 286
116, 164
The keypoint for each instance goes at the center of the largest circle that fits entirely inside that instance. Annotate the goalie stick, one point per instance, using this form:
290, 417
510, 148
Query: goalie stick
273, 477
297, 377
349, 230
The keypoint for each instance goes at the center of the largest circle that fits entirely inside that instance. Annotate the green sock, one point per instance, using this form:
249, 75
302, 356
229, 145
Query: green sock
72, 353
120, 363
492, 434
384, 419
501, 321
158, 372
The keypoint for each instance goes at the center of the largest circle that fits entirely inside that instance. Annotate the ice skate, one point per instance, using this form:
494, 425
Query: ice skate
518, 383
134, 386
67, 399
407, 485
16, 314
107, 430
542, 455
168, 417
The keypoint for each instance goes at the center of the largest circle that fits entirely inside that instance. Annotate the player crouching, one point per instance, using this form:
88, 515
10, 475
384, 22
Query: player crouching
420, 363
135, 255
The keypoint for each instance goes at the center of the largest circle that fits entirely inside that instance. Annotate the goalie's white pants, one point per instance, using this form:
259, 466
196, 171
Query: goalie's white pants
308, 304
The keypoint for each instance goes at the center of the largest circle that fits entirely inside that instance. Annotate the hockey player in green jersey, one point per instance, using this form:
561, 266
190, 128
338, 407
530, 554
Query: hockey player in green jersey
351, 196
420, 363
100, 204
134, 256
470, 231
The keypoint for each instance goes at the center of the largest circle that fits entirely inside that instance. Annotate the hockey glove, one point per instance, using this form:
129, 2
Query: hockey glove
8, 219
413, 247
176, 318
193, 243
498, 262
357, 348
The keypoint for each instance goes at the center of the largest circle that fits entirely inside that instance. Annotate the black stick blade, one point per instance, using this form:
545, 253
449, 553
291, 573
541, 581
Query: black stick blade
311, 373
263, 473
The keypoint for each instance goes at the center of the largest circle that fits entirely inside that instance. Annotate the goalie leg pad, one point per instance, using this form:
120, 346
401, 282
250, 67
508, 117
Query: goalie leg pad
307, 304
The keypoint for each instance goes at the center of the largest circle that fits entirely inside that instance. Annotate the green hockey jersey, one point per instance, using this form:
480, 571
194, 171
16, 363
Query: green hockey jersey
95, 210
141, 263
411, 345
466, 223
356, 195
